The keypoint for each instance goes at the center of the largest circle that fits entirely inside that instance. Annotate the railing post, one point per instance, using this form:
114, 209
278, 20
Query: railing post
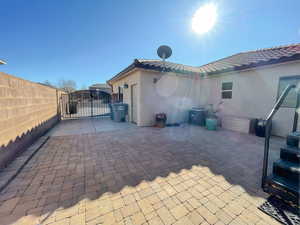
266, 153
268, 132
295, 124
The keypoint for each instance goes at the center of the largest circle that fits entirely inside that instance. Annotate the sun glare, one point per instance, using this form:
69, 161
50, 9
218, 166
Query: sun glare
204, 18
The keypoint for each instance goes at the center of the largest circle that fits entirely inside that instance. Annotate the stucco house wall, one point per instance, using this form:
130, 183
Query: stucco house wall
133, 78
173, 94
254, 94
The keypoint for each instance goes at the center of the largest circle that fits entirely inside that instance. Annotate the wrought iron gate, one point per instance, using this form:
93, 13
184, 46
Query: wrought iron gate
85, 103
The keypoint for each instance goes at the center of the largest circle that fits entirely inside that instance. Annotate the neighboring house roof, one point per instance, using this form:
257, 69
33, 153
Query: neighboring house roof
235, 62
101, 87
2, 62
94, 86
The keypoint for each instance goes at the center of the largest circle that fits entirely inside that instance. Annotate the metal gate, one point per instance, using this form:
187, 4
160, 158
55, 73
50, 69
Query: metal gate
85, 103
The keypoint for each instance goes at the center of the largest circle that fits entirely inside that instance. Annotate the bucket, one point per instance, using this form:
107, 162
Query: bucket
211, 123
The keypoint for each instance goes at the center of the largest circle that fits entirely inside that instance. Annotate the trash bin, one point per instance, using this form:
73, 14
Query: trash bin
197, 116
119, 111
73, 107
260, 128
160, 120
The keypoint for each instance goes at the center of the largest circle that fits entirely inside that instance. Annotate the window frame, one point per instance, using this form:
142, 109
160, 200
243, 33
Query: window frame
120, 94
226, 90
293, 77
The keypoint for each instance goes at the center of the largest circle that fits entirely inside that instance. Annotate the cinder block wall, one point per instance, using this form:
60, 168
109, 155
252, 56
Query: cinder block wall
27, 110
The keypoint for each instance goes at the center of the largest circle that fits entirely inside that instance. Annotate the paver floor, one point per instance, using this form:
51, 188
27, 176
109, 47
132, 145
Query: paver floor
176, 175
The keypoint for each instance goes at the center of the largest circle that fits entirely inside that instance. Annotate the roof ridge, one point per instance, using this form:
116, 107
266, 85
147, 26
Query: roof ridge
158, 60
272, 48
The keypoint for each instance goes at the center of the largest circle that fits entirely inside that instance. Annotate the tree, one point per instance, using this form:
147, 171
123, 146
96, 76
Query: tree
67, 85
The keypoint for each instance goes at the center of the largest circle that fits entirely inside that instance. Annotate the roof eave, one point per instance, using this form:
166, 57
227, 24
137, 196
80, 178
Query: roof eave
123, 72
138, 64
255, 65
2, 62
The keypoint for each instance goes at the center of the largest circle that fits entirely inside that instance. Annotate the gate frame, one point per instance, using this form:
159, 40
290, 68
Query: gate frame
83, 98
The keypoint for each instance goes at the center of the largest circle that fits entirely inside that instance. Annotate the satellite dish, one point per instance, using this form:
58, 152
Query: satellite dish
164, 52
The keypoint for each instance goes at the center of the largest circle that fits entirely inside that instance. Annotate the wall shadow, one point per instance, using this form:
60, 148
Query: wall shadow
15, 147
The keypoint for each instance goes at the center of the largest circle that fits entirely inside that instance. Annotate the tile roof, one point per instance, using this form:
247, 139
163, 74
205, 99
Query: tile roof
235, 62
166, 65
253, 58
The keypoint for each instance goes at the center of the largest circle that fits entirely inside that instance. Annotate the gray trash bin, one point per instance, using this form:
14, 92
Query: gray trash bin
119, 111
197, 116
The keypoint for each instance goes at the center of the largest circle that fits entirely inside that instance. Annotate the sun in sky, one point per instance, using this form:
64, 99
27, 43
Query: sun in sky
204, 18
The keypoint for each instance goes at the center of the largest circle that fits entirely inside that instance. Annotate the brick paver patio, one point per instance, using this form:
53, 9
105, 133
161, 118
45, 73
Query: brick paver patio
178, 175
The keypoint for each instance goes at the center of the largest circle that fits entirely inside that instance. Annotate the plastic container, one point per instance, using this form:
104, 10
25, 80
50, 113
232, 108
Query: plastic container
160, 120
260, 128
197, 116
119, 111
211, 123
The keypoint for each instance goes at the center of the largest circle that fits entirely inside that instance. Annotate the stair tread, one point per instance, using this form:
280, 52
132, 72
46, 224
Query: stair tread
295, 134
283, 182
290, 154
291, 166
291, 148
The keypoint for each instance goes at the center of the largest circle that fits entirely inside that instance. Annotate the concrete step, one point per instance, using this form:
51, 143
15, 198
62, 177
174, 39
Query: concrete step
288, 170
287, 190
291, 154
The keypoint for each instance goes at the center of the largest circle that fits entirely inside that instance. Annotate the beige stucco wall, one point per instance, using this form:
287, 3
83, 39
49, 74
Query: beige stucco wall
173, 94
254, 94
24, 105
132, 79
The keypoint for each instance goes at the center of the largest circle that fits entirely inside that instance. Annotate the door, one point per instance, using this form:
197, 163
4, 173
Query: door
134, 103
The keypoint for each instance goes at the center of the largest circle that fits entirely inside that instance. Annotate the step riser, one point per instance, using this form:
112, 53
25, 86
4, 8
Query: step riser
293, 139
290, 156
282, 172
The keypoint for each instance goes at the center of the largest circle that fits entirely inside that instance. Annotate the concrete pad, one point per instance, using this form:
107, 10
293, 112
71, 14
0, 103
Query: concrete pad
87, 126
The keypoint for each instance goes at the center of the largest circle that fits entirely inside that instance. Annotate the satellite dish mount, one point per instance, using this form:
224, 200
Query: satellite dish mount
164, 52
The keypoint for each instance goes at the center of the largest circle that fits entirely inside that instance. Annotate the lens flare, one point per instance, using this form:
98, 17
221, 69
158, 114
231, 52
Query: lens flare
204, 18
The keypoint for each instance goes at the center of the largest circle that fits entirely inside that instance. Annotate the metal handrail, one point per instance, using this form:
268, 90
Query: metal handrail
268, 130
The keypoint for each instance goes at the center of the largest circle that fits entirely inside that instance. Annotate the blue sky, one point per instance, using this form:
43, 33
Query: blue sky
90, 41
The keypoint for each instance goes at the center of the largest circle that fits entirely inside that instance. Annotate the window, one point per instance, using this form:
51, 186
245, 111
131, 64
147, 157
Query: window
226, 90
291, 98
120, 94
